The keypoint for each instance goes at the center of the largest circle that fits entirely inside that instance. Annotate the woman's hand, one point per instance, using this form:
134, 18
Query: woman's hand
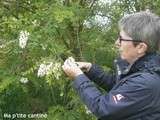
84, 66
71, 68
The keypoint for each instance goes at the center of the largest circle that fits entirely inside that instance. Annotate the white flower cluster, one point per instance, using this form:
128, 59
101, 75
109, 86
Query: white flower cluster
2, 46
35, 23
87, 110
46, 69
23, 38
56, 70
24, 80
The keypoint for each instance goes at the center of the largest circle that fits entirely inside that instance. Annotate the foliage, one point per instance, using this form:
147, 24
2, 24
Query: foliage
36, 37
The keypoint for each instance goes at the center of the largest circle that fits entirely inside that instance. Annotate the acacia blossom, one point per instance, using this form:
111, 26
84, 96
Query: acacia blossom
50, 68
23, 38
87, 110
24, 80
44, 69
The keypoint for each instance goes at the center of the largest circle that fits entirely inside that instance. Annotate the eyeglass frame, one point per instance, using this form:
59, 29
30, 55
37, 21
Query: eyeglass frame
122, 39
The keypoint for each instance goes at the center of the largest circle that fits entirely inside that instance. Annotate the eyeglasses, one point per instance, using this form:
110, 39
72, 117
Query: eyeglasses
122, 39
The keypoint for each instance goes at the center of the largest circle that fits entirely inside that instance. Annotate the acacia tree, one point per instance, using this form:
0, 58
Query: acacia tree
35, 38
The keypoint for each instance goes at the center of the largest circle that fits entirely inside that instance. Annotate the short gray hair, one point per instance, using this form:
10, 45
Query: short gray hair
143, 26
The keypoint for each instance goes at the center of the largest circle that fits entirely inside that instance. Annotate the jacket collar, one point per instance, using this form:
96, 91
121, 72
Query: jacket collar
148, 62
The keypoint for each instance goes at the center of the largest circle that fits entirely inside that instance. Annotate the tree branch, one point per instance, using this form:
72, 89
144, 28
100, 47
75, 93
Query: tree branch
65, 43
92, 4
66, 3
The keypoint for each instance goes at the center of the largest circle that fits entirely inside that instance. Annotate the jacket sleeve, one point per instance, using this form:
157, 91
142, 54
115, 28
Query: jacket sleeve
128, 99
101, 78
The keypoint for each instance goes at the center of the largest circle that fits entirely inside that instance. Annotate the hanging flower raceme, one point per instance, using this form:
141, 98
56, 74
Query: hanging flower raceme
24, 80
23, 38
44, 69
49, 68
87, 110
57, 70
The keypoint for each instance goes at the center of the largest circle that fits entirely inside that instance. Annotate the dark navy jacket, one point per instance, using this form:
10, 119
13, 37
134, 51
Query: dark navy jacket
134, 92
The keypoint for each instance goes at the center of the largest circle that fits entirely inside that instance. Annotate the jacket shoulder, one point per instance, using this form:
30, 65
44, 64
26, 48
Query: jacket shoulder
150, 80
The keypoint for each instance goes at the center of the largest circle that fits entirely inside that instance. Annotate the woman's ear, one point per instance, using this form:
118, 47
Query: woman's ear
142, 48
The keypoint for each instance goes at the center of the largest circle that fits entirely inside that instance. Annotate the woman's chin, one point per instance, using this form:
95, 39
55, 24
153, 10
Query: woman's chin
123, 57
